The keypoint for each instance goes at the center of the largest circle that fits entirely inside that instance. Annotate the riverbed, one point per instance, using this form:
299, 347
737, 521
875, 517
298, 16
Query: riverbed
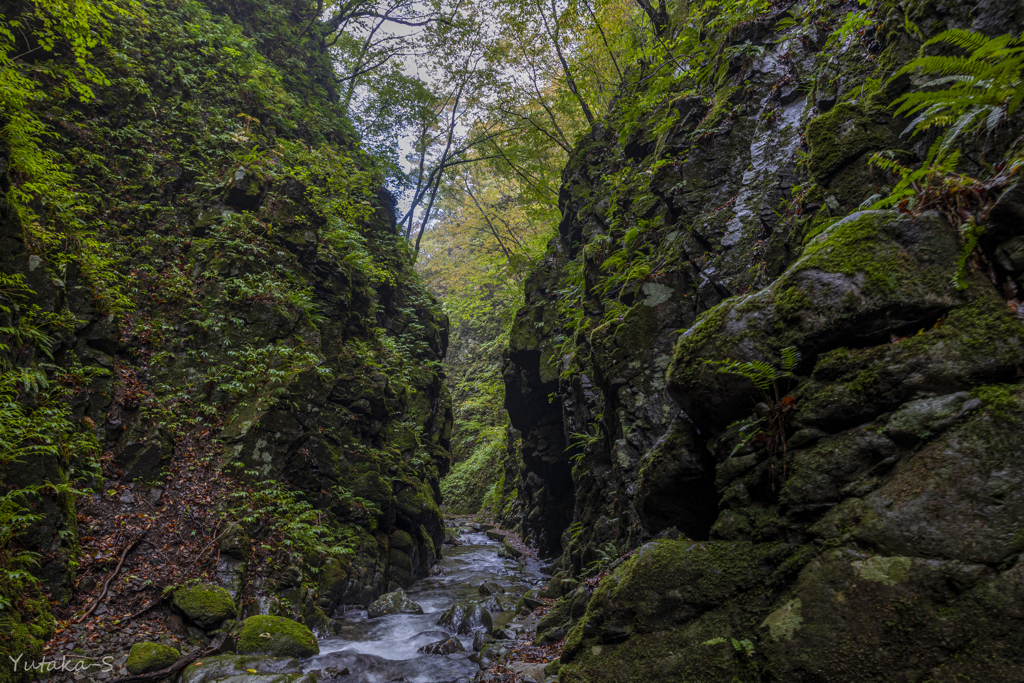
385, 649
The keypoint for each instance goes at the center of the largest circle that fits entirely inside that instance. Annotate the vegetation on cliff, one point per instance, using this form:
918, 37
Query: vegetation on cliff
209, 319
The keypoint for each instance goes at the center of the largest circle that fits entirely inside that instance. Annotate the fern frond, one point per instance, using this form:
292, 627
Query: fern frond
962, 123
790, 358
968, 40
944, 66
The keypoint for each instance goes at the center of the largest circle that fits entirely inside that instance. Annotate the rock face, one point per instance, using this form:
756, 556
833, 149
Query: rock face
444, 647
864, 535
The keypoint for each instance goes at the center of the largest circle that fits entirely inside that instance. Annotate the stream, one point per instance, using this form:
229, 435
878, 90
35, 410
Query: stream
384, 649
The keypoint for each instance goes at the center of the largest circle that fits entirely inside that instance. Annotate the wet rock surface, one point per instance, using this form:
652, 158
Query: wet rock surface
396, 602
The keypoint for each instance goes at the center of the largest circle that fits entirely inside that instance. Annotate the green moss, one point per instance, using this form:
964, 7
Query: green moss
1001, 401
665, 579
887, 570
402, 540
638, 330
558, 615
147, 657
790, 301
706, 331
25, 631
832, 364
427, 541
853, 386
701, 651
853, 245
417, 500
204, 605
841, 136
276, 636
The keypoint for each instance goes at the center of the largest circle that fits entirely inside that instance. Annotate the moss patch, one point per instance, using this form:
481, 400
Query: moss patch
841, 136
204, 605
276, 636
147, 657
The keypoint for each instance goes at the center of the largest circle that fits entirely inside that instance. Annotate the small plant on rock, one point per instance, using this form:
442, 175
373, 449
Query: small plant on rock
974, 92
768, 426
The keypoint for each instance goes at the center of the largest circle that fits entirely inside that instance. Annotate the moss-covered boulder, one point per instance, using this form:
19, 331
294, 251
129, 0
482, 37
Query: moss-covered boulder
276, 636
396, 602
205, 605
147, 657
870, 276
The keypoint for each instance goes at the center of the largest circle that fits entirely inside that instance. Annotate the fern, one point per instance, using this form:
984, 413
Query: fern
790, 358
764, 375
980, 90
967, 94
770, 428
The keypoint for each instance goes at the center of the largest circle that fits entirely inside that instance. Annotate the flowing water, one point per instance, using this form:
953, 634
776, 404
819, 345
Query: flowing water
385, 648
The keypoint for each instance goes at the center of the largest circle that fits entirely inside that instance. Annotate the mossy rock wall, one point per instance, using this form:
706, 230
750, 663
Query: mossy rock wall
269, 312
871, 545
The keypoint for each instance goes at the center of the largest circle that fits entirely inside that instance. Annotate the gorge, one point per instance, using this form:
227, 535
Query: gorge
698, 357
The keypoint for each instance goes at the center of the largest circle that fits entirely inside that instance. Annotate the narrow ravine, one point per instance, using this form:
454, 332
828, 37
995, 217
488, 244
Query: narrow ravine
382, 649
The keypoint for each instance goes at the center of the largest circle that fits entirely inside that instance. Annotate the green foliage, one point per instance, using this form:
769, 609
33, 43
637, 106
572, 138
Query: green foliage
258, 368
36, 431
972, 93
473, 483
294, 524
744, 647
44, 193
1001, 401
473, 259
979, 91
767, 429
764, 375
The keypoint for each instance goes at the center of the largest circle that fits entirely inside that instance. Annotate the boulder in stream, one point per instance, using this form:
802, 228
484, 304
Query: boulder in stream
509, 551
481, 640
466, 619
491, 588
494, 605
443, 647
334, 663
396, 602
530, 601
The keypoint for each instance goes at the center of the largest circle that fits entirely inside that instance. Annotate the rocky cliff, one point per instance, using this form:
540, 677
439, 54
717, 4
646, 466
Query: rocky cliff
854, 513
234, 323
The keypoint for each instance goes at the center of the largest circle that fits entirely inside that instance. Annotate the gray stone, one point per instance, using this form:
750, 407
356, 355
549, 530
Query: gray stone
396, 602
466, 619
922, 419
442, 647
